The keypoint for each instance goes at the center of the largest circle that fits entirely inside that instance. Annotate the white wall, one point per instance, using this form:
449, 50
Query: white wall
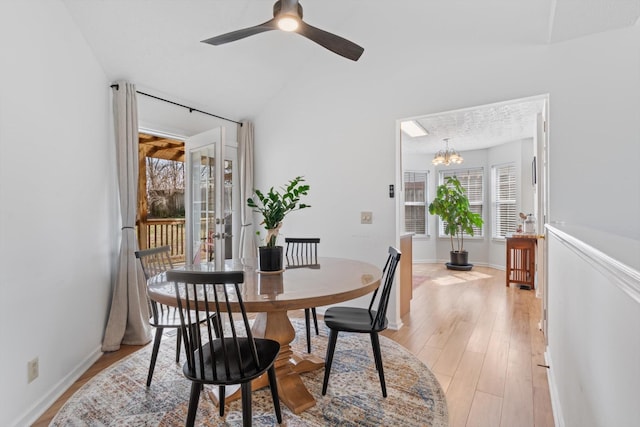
594, 177
340, 133
345, 126
169, 119
58, 216
595, 144
594, 319
337, 129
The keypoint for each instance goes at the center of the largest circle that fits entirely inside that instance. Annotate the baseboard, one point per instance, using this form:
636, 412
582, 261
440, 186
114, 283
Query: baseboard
496, 267
425, 261
553, 392
395, 326
41, 406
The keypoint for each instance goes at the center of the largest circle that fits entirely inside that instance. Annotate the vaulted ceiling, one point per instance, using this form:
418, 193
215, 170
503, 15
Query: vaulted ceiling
157, 44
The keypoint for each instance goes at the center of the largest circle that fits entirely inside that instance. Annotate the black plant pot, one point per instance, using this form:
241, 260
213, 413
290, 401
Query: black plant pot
270, 258
459, 258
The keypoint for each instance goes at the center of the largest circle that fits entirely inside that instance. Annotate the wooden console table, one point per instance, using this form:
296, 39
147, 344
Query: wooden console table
521, 259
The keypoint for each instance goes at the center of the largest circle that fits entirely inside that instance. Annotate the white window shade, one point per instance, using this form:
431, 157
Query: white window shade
415, 202
504, 200
472, 180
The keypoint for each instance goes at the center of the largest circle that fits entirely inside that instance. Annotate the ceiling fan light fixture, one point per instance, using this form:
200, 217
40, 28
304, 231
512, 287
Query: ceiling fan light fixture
288, 23
287, 16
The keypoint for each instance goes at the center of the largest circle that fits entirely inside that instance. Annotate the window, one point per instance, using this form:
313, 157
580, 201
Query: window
415, 202
504, 200
472, 181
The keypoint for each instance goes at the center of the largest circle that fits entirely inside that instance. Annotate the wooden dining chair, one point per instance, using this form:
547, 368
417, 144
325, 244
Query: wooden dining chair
303, 252
155, 261
362, 320
236, 357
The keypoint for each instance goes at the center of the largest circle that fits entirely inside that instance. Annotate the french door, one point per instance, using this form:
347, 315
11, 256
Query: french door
211, 202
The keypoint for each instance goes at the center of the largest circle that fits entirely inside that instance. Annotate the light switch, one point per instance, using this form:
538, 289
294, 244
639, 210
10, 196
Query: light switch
366, 217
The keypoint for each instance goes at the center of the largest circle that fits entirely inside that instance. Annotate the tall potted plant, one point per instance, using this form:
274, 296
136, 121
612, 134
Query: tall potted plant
452, 206
274, 206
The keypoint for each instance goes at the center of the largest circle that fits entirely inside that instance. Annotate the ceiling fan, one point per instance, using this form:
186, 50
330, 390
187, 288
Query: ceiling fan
287, 16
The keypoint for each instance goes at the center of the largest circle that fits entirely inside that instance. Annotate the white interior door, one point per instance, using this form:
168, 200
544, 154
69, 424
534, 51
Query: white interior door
211, 198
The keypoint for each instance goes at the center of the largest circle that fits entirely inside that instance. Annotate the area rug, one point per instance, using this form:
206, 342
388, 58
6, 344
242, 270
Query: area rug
118, 396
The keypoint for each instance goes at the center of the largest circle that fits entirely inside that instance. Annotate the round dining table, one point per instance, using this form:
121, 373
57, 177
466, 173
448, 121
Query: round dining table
272, 294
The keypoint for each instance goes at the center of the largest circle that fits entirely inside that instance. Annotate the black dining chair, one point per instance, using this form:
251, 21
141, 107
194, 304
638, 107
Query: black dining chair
236, 357
363, 320
155, 261
303, 252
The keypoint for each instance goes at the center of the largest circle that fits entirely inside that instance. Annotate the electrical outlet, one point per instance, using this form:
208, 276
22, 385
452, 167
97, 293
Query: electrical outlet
366, 217
33, 369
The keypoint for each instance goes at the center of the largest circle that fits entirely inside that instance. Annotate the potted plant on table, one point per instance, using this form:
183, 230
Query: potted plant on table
452, 206
274, 206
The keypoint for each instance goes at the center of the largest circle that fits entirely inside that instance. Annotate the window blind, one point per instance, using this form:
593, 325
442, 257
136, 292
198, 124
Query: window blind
415, 201
504, 200
472, 180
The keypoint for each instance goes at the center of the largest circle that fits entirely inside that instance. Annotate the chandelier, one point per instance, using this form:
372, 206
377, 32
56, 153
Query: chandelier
447, 156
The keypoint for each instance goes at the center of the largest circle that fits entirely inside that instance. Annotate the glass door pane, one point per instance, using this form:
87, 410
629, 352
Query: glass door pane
212, 203
203, 204
228, 233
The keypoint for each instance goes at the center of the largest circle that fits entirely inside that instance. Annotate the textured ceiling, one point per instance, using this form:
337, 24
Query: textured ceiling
476, 128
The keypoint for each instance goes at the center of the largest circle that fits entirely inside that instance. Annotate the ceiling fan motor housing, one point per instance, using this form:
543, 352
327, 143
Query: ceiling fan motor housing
277, 8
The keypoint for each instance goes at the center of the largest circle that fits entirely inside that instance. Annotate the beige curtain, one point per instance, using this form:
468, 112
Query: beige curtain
128, 318
245, 158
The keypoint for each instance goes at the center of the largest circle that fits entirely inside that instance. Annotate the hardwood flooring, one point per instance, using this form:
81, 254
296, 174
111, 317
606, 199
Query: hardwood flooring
480, 339
104, 362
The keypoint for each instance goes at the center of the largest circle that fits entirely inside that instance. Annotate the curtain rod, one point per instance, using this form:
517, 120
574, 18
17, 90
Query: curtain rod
191, 109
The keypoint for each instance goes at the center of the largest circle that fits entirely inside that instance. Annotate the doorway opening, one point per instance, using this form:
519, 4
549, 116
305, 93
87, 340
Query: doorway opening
487, 137
161, 194
188, 196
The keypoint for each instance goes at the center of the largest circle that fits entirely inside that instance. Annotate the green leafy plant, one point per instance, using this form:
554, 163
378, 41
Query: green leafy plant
452, 206
275, 205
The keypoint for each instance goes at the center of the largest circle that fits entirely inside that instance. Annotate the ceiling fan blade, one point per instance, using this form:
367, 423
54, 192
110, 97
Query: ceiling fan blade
330, 41
240, 34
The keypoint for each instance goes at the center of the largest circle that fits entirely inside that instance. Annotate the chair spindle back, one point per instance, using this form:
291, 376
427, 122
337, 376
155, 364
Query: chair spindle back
388, 273
155, 261
301, 251
203, 294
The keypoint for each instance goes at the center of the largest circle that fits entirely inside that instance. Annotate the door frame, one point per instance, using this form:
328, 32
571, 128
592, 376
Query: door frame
541, 151
230, 145
224, 151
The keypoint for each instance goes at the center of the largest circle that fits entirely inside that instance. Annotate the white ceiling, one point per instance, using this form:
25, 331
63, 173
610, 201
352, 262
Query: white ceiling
477, 127
156, 43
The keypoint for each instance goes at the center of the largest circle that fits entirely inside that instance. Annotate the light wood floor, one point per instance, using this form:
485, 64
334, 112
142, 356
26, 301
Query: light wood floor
482, 341
480, 338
